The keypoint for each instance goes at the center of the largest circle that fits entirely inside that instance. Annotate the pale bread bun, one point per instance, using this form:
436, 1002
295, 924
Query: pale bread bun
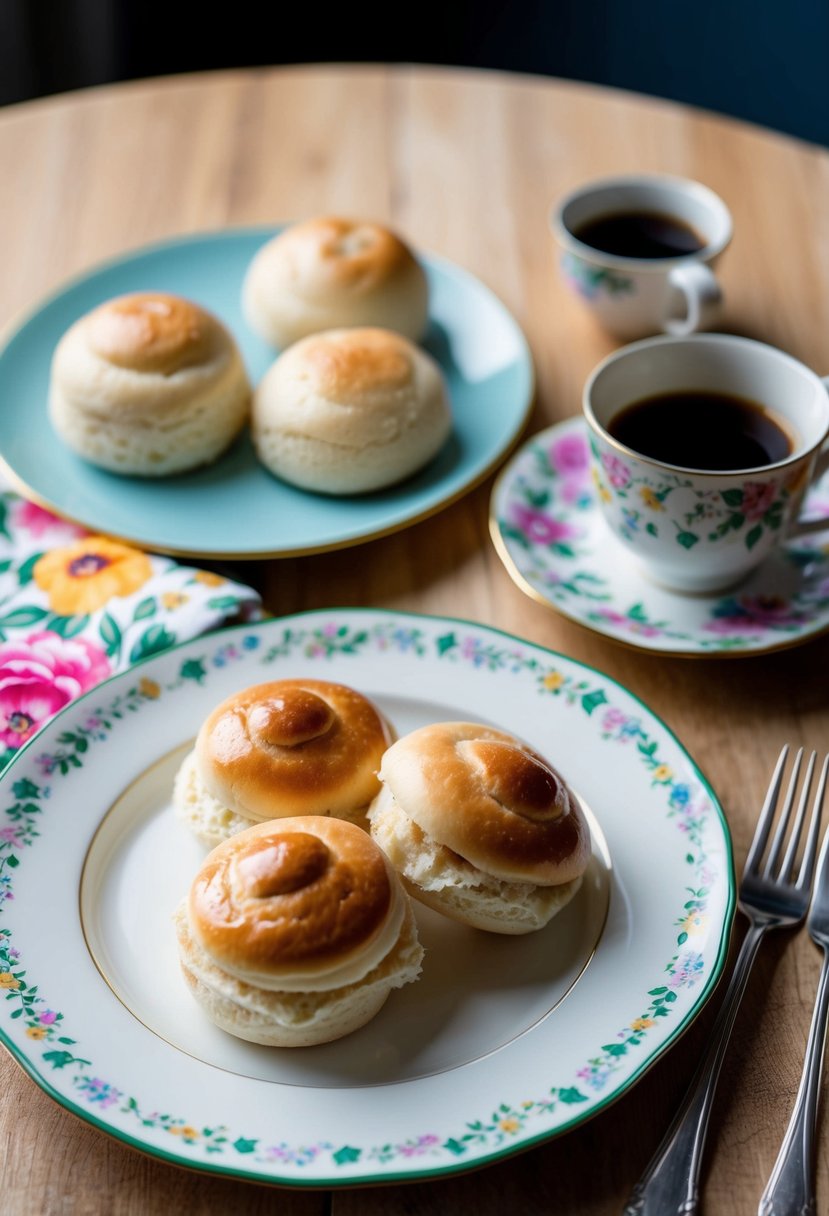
480, 826
330, 272
295, 932
284, 748
148, 385
350, 410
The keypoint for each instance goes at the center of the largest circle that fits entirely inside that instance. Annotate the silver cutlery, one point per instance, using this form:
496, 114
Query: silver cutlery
791, 1186
771, 898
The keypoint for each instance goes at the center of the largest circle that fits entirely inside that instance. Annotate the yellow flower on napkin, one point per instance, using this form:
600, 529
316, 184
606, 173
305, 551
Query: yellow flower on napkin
84, 576
208, 578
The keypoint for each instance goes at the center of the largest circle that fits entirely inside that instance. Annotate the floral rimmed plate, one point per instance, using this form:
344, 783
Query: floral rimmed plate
234, 508
536, 1036
554, 543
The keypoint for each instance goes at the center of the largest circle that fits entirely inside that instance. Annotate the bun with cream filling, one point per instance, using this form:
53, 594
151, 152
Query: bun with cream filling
295, 932
480, 827
284, 748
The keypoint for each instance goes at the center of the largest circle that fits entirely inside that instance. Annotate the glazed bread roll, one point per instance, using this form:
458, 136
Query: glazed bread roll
480, 826
350, 410
148, 385
295, 932
285, 748
329, 272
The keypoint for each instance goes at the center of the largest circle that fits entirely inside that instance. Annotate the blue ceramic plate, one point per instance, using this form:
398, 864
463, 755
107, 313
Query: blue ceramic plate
235, 508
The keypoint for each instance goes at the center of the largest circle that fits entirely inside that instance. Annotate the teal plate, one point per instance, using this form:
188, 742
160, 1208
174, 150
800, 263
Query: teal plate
235, 508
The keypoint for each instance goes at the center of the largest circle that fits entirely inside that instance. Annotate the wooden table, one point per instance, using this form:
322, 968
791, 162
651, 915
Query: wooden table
466, 164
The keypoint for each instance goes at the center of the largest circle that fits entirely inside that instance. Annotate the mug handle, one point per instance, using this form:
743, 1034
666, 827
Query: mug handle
698, 284
801, 526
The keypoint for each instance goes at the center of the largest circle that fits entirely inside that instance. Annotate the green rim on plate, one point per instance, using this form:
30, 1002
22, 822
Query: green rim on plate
304, 1119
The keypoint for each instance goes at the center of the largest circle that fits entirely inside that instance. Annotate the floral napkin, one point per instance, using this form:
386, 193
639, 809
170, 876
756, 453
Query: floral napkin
76, 608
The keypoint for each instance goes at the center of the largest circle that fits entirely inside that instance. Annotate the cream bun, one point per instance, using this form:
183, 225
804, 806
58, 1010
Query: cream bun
329, 272
149, 385
284, 748
350, 410
294, 932
480, 826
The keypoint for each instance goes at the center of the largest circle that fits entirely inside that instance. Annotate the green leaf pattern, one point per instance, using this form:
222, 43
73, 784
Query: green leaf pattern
108, 631
576, 580
644, 503
510, 1120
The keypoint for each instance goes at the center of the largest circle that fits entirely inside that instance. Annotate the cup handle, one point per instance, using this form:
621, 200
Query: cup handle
698, 284
801, 526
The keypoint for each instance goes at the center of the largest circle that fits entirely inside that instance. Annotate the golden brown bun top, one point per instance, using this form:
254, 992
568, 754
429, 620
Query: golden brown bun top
302, 903
490, 798
153, 332
293, 747
332, 253
355, 366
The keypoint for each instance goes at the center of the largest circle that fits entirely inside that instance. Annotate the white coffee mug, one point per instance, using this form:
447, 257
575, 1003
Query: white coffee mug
692, 529
633, 297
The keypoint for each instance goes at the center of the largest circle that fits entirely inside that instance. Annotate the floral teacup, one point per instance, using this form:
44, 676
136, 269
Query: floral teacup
635, 296
698, 530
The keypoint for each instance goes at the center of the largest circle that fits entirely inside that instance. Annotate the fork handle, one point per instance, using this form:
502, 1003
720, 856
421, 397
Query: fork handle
791, 1187
670, 1184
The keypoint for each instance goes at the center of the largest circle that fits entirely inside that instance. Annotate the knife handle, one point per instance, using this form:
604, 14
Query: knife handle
670, 1184
790, 1190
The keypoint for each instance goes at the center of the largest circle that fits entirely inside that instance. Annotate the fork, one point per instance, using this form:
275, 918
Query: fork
771, 898
791, 1187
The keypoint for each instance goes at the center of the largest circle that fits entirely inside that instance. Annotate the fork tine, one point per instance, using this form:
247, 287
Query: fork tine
794, 838
808, 864
761, 832
782, 823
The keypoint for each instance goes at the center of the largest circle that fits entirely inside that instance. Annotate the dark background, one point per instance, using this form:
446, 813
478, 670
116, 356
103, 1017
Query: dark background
762, 60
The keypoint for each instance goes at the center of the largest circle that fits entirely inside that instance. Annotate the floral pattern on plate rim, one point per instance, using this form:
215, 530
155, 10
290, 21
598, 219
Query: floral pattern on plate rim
546, 522
689, 807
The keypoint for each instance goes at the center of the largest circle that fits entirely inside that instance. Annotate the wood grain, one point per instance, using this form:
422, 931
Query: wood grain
467, 165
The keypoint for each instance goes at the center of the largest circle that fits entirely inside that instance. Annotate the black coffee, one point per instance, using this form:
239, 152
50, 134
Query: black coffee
640, 234
702, 430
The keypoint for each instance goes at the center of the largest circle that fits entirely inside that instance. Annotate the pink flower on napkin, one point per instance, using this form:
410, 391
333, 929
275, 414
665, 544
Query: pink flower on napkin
37, 521
38, 676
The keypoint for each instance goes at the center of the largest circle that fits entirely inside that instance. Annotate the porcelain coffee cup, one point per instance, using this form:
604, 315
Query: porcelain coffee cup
693, 529
633, 297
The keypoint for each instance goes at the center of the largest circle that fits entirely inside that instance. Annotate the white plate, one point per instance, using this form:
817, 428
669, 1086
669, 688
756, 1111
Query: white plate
503, 1042
556, 546
234, 508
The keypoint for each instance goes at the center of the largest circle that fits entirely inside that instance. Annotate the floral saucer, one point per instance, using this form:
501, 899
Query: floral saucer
556, 547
